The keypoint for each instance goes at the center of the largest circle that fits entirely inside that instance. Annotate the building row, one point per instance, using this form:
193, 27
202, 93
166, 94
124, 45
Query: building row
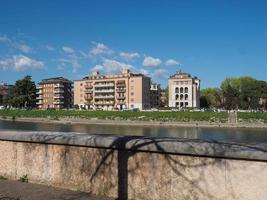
127, 90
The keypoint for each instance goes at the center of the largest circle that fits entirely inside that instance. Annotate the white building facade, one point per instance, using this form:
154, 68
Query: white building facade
184, 91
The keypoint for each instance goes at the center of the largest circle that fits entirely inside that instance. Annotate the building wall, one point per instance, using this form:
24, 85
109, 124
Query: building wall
130, 91
54, 95
189, 98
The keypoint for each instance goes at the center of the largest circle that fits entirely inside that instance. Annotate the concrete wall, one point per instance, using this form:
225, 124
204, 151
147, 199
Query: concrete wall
136, 167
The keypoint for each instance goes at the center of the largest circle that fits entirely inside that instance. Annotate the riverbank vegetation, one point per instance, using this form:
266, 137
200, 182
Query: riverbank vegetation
142, 116
252, 117
244, 93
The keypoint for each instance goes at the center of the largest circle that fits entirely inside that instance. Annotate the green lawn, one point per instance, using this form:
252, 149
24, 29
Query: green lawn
145, 116
251, 117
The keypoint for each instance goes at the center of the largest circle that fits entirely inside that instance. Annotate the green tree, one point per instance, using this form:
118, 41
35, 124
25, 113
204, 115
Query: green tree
24, 93
211, 98
231, 96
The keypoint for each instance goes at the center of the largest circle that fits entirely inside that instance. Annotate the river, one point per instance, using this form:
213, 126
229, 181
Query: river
244, 135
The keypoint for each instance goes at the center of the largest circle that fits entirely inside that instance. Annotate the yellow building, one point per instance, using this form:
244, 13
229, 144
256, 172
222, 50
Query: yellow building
123, 91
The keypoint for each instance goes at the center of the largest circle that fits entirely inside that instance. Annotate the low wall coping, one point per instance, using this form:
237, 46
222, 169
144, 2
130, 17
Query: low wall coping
190, 147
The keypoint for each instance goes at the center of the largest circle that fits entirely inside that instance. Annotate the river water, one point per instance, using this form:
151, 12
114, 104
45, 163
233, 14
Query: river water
244, 135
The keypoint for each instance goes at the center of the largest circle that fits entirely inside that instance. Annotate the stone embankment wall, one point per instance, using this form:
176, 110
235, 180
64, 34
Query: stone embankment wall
136, 167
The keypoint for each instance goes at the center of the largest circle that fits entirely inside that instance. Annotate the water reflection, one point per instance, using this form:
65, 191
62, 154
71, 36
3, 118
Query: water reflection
219, 134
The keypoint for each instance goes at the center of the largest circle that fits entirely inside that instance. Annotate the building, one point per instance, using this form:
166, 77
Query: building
163, 99
155, 93
184, 90
108, 92
5, 91
5, 88
54, 93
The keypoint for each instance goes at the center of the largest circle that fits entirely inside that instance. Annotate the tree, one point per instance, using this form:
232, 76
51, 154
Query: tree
231, 98
24, 93
211, 98
1, 99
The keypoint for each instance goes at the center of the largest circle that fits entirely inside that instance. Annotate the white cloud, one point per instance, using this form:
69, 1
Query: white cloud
160, 74
20, 63
17, 45
97, 68
171, 62
4, 39
129, 56
50, 48
67, 49
24, 48
144, 71
112, 66
100, 49
115, 66
71, 59
151, 62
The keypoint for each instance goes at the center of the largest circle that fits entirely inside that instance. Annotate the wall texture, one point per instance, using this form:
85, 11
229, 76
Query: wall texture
137, 168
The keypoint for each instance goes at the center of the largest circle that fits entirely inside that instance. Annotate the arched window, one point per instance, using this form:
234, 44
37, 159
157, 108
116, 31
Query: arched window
186, 97
177, 90
176, 96
181, 90
181, 97
186, 89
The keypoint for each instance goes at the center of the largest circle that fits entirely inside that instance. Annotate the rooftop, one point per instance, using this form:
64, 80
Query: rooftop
180, 75
126, 73
55, 80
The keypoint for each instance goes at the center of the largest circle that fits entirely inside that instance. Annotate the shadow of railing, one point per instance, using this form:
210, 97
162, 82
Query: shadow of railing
128, 146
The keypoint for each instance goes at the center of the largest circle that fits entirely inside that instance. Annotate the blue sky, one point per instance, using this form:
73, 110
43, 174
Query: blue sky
209, 39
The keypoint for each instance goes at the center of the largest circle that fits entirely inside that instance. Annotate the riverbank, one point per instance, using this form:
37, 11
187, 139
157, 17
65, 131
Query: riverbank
173, 119
117, 122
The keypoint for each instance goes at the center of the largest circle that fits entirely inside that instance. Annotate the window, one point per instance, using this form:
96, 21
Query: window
186, 90
132, 93
181, 97
81, 84
177, 90
181, 90
186, 97
132, 100
177, 97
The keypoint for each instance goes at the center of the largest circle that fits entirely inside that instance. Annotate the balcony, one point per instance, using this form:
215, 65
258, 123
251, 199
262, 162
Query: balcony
58, 91
58, 97
58, 102
39, 97
105, 91
121, 90
39, 87
39, 103
87, 91
120, 102
104, 97
88, 86
120, 84
58, 85
39, 92
88, 98
121, 97
101, 85
104, 103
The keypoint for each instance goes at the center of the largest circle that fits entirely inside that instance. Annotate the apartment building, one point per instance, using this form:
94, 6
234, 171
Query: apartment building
54, 93
155, 92
108, 92
184, 90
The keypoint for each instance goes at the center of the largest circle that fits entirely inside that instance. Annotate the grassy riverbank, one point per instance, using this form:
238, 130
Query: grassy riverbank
141, 116
252, 117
